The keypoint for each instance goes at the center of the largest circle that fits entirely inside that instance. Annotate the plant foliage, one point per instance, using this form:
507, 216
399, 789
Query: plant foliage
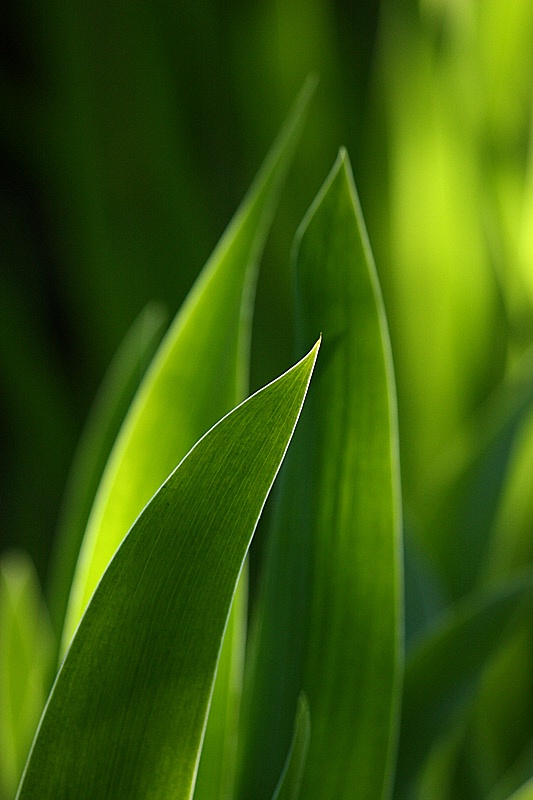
377, 641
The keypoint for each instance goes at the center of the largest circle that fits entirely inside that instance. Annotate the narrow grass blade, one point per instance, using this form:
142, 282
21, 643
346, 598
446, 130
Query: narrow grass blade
334, 560
127, 713
291, 778
203, 356
444, 668
103, 424
26, 651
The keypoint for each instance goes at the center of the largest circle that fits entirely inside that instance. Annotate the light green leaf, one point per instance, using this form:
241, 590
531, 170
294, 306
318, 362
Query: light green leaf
290, 780
103, 424
443, 670
333, 563
25, 656
127, 713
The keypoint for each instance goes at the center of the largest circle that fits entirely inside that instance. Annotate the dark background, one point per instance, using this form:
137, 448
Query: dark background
130, 132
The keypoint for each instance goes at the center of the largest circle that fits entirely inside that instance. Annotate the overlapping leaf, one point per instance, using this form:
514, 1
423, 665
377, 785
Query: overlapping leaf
128, 710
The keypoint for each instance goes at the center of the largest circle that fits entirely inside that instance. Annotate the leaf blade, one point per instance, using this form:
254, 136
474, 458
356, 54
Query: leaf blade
128, 709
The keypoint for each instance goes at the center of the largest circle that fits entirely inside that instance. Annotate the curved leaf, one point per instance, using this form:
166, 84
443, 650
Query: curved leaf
127, 713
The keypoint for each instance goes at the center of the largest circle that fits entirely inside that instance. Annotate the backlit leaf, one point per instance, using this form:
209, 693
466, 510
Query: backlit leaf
127, 713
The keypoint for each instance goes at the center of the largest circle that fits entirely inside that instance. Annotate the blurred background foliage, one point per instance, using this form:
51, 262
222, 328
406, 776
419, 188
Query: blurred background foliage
130, 132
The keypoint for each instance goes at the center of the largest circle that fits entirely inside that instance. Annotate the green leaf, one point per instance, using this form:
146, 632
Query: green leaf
290, 780
103, 424
127, 713
25, 655
333, 567
443, 670
354, 656
203, 356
